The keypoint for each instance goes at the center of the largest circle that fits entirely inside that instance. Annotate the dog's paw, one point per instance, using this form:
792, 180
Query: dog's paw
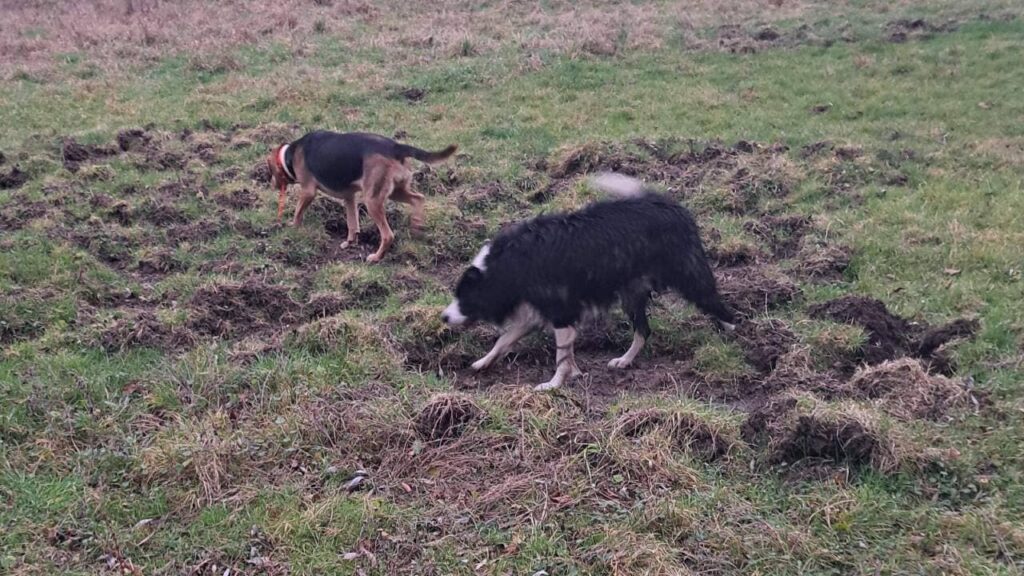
550, 385
347, 244
620, 363
373, 258
480, 364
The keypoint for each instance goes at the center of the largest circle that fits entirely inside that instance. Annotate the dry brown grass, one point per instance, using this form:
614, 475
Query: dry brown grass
119, 34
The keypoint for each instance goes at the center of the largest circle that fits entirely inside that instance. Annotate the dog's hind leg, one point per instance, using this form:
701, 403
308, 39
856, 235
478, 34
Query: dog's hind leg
351, 220
565, 359
378, 191
635, 305
697, 284
404, 193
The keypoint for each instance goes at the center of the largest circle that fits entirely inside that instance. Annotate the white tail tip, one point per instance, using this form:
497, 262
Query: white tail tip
617, 184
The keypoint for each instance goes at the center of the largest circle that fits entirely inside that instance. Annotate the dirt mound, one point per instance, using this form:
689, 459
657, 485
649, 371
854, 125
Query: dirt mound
781, 233
133, 140
17, 213
13, 178
158, 261
906, 29
907, 391
161, 213
795, 428
446, 416
239, 309
74, 154
143, 329
239, 199
753, 289
763, 342
889, 336
825, 262
794, 370
688, 431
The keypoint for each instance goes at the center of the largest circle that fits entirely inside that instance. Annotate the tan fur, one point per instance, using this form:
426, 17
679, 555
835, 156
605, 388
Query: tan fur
383, 178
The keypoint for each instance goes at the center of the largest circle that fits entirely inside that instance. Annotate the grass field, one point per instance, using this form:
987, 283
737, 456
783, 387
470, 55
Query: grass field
187, 387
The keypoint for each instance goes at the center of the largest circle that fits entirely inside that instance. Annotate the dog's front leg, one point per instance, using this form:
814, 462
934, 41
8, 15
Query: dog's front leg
516, 330
565, 359
352, 221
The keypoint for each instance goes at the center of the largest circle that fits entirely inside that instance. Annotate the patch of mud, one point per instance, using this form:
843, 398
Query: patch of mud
13, 178
763, 342
228, 310
736, 39
107, 243
143, 329
752, 290
133, 140
734, 254
161, 214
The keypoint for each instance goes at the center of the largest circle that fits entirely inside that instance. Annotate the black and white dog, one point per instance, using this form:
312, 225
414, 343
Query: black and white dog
548, 270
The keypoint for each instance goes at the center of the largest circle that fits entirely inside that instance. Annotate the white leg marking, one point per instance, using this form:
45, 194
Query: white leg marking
729, 327
519, 325
453, 315
626, 359
565, 362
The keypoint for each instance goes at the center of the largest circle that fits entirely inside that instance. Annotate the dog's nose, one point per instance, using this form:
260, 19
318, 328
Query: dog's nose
444, 317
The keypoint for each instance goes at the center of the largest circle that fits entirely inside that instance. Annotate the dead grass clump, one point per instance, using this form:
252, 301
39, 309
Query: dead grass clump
904, 389
587, 158
418, 333
734, 252
240, 308
158, 261
751, 290
689, 432
797, 427
795, 370
624, 553
446, 416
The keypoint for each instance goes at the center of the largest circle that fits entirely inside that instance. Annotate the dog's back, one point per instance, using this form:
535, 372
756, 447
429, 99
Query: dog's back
591, 256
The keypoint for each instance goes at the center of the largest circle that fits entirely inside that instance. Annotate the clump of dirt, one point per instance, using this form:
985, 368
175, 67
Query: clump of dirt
242, 308
782, 233
161, 160
754, 289
260, 172
904, 29
826, 262
732, 254
324, 304
13, 178
19, 212
794, 370
889, 336
161, 213
447, 416
934, 338
133, 140
74, 154
412, 94
486, 196
158, 261
143, 329
797, 427
763, 342
688, 431
107, 243
239, 199
907, 391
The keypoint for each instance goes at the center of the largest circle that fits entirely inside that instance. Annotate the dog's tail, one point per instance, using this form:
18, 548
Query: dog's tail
619, 185
427, 157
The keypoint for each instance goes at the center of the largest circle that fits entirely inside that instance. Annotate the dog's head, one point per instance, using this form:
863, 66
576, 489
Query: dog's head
279, 177
474, 295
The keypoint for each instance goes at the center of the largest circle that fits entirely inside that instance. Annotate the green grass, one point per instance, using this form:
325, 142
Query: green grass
235, 459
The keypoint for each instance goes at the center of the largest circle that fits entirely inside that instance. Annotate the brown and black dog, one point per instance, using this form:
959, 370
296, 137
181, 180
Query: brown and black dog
342, 165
